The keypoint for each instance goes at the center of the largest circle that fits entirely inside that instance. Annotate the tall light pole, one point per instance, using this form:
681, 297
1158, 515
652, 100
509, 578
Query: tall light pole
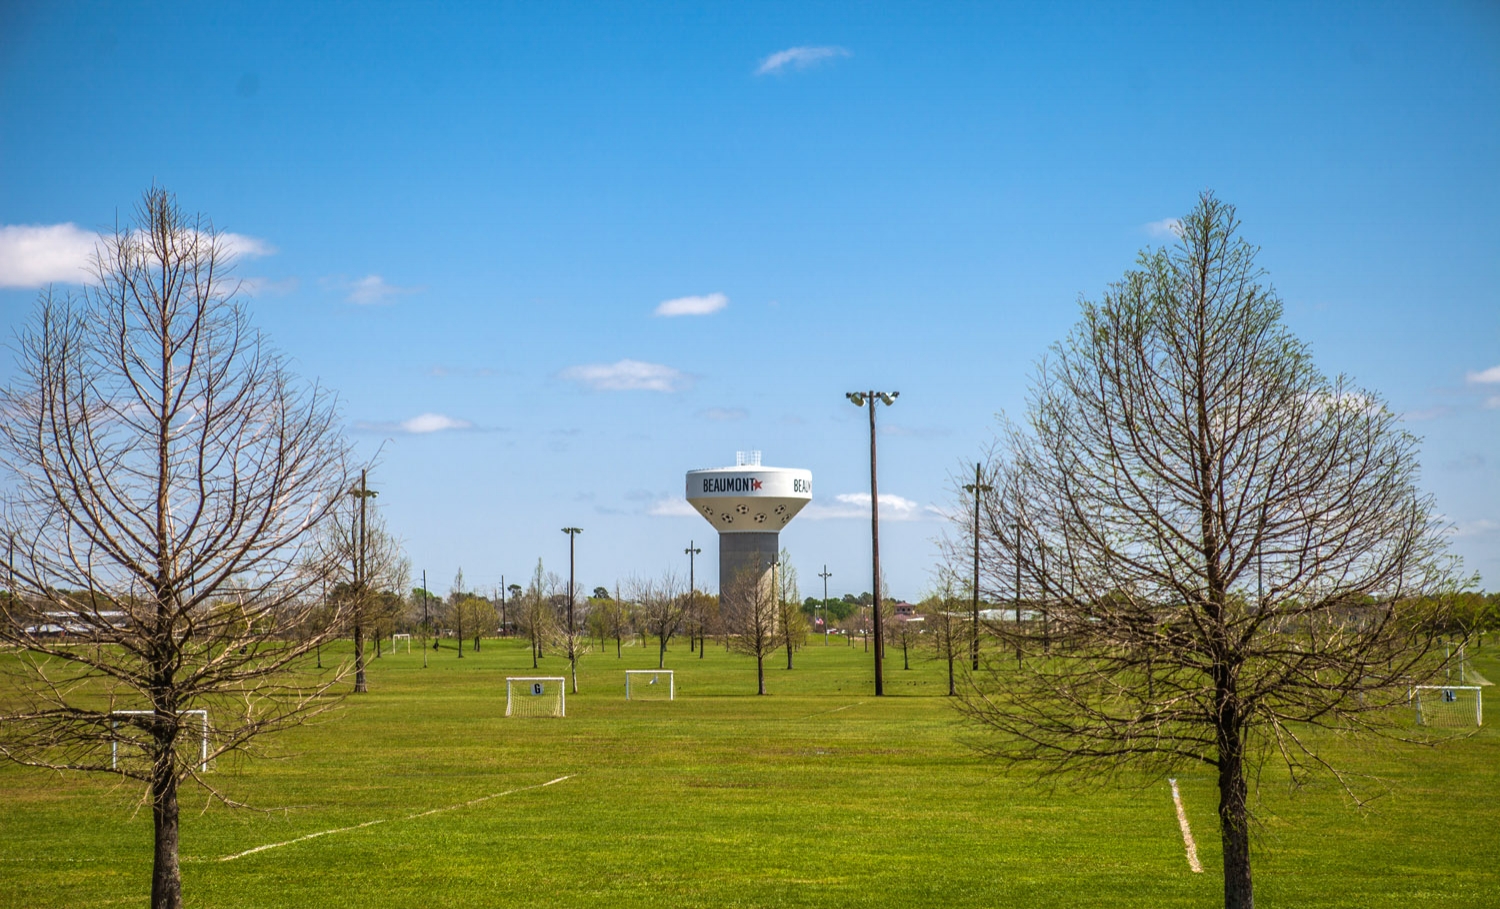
861, 399
572, 533
691, 552
825, 575
426, 625
977, 487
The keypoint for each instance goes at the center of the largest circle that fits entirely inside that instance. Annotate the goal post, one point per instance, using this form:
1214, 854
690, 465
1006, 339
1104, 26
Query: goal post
395, 638
114, 743
650, 685
536, 695
1449, 705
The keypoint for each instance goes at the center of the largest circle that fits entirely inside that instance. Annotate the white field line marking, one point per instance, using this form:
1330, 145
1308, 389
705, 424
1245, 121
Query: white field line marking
1187, 832
834, 710
486, 798
310, 836
409, 817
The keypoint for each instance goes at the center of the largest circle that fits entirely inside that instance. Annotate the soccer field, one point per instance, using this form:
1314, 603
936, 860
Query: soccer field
816, 795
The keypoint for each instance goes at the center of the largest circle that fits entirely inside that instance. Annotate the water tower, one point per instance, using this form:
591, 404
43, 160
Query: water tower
748, 504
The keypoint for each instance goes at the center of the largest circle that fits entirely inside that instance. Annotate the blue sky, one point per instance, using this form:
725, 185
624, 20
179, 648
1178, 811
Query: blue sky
469, 215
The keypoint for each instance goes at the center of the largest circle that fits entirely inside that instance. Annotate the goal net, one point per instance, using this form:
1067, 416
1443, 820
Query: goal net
650, 685
117, 718
397, 639
1448, 705
536, 696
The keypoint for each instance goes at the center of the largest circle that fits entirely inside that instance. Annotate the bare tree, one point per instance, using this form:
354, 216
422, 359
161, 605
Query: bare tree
536, 615
660, 607
457, 614
749, 609
165, 475
571, 629
612, 615
791, 622
370, 564
905, 632
948, 630
1225, 546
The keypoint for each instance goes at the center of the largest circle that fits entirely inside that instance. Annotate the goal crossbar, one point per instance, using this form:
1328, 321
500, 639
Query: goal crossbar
634, 676
529, 686
1434, 696
114, 745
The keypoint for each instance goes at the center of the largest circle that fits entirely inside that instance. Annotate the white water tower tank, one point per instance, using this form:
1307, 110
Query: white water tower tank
748, 504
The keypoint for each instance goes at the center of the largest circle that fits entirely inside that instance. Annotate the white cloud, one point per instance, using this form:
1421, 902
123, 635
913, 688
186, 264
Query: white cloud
262, 286
239, 246
418, 425
35, 254
1476, 528
799, 58
32, 255
628, 375
1426, 413
374, 289
671, 508
1489, 376
857, 505
1166, 227
692, 306
724, 414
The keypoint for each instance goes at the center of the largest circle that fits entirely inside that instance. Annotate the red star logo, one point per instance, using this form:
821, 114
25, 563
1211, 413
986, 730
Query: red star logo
754, 484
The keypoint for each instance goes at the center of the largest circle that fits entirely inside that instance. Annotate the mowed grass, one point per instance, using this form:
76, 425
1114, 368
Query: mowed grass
816, 795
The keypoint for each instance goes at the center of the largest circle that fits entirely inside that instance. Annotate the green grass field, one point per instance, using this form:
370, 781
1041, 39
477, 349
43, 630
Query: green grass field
817, 795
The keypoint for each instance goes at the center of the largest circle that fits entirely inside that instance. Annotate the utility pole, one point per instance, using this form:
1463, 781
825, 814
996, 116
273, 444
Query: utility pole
825, 575
426, 626
572, 533
977, 487
363, 493
504, 625
860, 399
692, 551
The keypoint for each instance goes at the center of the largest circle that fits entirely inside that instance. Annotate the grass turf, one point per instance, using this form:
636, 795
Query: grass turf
817, 795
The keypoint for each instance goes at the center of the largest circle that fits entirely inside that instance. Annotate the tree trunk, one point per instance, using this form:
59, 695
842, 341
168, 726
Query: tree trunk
661, 654
951, 692
619, 654
760, 673
1234, 825
166, 876
359, 659
789, 654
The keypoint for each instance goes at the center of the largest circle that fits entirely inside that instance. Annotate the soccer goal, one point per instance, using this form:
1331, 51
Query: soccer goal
397, 638
1449, 705
536, 696
114, 744
650, 685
